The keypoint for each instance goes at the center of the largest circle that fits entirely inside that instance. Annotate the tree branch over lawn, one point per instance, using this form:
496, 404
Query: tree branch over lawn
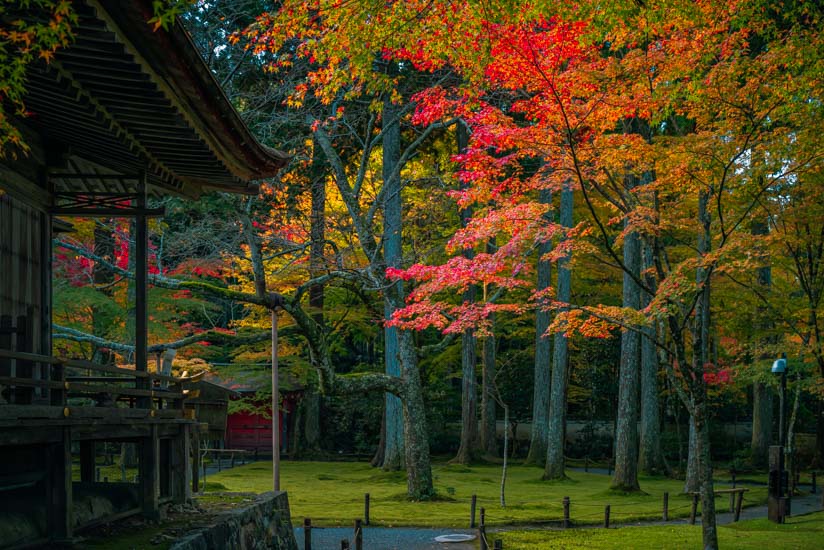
331, 382
211, 336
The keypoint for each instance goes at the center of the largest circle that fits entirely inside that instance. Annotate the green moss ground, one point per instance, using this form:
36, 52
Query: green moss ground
331, 493
805, 532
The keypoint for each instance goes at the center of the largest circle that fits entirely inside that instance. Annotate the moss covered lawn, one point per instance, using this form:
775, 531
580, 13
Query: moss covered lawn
331, 493
803, 532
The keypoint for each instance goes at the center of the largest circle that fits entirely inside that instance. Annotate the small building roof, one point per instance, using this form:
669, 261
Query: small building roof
130, 99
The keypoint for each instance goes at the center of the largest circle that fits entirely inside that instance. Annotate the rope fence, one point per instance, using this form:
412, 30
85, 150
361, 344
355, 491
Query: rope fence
568, 512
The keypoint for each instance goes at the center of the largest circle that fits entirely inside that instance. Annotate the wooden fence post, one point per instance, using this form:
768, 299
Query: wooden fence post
666, 507
482, 531
472, 511
307, 534
694, 508
566, 512
358, 535
606, 516
812, 485
738, 506
366, 509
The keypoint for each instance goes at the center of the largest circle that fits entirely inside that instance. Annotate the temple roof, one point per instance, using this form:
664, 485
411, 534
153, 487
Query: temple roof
130, 99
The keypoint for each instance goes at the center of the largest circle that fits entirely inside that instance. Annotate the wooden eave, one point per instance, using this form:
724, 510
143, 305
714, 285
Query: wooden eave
132, 99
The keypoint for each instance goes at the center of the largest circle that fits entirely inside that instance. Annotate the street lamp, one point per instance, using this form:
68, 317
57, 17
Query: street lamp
780, 367
778, 502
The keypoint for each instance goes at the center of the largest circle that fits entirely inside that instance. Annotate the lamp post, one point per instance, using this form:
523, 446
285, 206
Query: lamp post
777, 503
780, 367
275, 405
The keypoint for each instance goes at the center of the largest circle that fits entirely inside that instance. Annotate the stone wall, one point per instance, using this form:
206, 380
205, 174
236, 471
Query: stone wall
265, 524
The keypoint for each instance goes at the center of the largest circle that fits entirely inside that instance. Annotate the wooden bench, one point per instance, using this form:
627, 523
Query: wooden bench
739, 491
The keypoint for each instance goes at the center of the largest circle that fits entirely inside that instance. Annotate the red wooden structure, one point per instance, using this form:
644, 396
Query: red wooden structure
253, 431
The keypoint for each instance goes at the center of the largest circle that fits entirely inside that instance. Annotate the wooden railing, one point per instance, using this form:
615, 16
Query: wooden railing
60, 382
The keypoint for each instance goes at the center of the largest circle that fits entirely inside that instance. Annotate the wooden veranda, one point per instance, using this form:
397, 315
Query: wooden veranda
122, 116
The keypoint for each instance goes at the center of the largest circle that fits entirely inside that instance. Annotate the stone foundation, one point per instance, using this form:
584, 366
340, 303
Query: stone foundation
265, 524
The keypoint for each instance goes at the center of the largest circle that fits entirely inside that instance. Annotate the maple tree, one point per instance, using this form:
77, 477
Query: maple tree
678, 74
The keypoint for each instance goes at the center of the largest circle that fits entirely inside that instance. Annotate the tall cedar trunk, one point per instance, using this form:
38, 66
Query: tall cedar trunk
650, 460
469, 400
789, 450
701, 339
309, 428
554, 467
377, 458
317, 230
489, 442
692, 481
762, 402
393, 444
416, 437
625, 477
310, 425
101, 275
131, 290
762, 420
709, 531
543, 351
700, 355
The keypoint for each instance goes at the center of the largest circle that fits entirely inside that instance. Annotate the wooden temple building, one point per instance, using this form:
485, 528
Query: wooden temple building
122, 115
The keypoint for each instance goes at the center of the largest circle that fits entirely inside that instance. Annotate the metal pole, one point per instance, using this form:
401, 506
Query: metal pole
275, 405
783, 433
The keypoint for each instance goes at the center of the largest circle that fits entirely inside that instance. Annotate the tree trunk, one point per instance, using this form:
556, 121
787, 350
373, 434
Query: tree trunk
506, 456
625, 477
762, 421
554, 467
377, 458
489, 441
789, 450
650, 461
762, 402
310, 426
102, 275
393, 444
709, 531
700, 355
469, 401
692, 482
818, 458
416, 437
317, 230
543, 355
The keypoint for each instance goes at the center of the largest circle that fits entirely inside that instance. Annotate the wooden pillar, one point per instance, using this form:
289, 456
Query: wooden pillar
181, 467
59, 488
141, 269
87, 461
195, 450
150, 474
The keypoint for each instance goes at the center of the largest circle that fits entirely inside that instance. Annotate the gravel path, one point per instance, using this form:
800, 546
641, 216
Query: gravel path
386, 538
